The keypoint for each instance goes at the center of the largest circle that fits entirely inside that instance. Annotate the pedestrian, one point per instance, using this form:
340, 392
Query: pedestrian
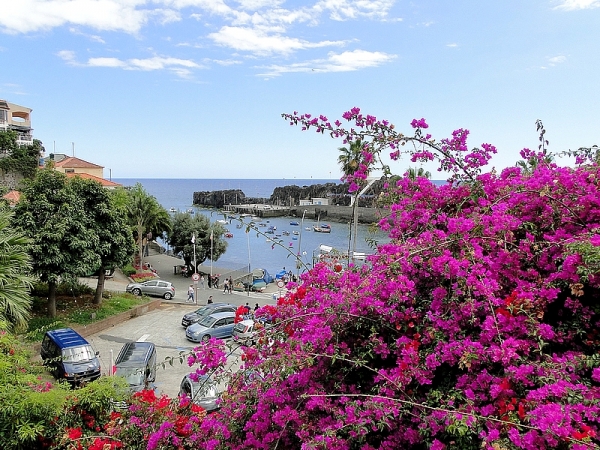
202, 281
210, 300
230, 285
256, 307
225, 286
190, 297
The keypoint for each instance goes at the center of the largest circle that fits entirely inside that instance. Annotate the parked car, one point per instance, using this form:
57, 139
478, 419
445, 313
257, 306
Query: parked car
207, 310
69, 356
218, 325
203, 392
157, 288
247, 330
136, 362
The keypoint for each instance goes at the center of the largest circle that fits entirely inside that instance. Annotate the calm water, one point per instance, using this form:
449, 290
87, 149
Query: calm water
253, 248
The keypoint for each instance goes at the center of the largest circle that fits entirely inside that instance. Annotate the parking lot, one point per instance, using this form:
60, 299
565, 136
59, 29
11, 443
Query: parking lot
161, 327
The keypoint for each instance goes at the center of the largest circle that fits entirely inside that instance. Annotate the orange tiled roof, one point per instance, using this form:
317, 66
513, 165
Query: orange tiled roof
87, 176
13, 197
75, 163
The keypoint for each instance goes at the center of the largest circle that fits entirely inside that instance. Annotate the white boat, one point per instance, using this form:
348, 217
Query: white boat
173, 210
190, 211
295, 232
222, 222
308, 228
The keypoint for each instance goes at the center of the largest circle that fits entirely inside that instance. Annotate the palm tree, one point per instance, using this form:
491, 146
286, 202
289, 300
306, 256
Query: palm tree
15, 301
350, 157
413, 173
145, 215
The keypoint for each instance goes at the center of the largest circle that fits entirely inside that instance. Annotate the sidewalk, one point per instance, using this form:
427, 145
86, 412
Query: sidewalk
164, 266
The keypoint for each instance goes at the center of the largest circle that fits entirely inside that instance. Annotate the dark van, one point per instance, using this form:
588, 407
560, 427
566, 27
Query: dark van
69, 356
136, 362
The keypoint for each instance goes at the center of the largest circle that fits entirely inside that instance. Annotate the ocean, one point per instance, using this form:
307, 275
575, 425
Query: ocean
253, 249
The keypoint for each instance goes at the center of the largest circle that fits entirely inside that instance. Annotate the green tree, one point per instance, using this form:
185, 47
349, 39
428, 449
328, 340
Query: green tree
146, 215
15, 285
113, 240
22, 159
350, 157
180, 238
54, 218
414, 173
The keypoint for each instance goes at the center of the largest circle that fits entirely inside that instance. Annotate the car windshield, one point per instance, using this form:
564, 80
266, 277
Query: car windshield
207, 322
76, 354
134, 376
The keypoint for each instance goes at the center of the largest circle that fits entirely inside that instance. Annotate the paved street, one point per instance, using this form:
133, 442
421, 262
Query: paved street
161, 327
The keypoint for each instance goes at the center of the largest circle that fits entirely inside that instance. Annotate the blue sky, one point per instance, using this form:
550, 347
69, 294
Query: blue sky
195, 88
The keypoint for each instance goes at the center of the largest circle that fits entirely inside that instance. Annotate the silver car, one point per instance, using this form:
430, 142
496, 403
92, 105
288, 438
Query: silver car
203, 392
157, 288
217, 325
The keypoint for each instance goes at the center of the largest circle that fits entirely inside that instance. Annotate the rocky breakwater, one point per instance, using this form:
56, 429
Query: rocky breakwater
336, 194
218, 199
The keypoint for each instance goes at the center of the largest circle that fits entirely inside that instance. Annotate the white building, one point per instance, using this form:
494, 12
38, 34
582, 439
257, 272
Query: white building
16, 118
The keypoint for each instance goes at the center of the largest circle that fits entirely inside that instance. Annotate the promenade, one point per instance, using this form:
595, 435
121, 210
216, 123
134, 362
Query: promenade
164, 265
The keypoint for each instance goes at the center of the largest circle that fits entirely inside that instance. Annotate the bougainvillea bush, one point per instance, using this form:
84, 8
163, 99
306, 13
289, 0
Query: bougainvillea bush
476, 326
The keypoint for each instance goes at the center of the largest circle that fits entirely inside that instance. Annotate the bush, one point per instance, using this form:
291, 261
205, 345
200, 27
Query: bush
128, 270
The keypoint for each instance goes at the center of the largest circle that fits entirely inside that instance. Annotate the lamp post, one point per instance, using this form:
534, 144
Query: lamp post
298, 260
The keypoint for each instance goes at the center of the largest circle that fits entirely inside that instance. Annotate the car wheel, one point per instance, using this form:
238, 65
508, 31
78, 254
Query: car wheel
136, 291
205, 338
168, 296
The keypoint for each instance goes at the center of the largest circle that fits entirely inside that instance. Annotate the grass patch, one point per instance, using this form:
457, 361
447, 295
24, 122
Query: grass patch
72, 311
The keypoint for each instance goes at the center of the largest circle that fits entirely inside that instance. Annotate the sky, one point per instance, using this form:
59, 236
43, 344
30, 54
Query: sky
196, 88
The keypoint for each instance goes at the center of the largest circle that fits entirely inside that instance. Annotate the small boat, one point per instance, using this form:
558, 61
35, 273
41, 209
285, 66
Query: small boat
308, 228
222, 222
321, 229
190, 211
325, 225
294, 223
228, 235
269, 232
286, 233
295, 238
295, 232
239, 225
173, 210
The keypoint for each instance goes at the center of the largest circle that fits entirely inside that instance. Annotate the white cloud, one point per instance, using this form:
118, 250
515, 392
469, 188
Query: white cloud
259, 42
224, 62
554, 60
181, 67
91, 37
352, 9
25, 16
68, 56
571, 5
258, 4
336, 62
106, 62
452, 45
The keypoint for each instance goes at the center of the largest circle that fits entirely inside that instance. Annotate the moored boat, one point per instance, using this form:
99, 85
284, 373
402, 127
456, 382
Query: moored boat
294, 223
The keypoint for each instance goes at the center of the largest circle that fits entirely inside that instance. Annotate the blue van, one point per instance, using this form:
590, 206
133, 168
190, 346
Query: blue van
69, 356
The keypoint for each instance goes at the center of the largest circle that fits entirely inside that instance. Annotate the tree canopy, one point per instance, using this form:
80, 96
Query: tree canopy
15, 283
146, 215
113, 242
185, 226
55, 219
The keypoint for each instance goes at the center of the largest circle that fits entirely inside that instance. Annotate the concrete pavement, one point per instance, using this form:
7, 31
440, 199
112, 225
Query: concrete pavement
164, 265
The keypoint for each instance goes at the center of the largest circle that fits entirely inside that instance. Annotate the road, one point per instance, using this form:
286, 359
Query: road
161, 327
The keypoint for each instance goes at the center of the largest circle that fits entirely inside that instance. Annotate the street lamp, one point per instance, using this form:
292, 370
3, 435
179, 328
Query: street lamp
299, 260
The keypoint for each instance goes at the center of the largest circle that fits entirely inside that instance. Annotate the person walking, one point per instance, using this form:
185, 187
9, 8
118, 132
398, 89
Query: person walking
225, 286
230, 285
202, 281
190, 297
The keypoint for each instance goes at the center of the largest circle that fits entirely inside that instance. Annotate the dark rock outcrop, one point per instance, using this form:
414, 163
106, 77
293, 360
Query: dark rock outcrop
336, 193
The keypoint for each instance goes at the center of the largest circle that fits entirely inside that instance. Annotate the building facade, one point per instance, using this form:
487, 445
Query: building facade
18, 119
